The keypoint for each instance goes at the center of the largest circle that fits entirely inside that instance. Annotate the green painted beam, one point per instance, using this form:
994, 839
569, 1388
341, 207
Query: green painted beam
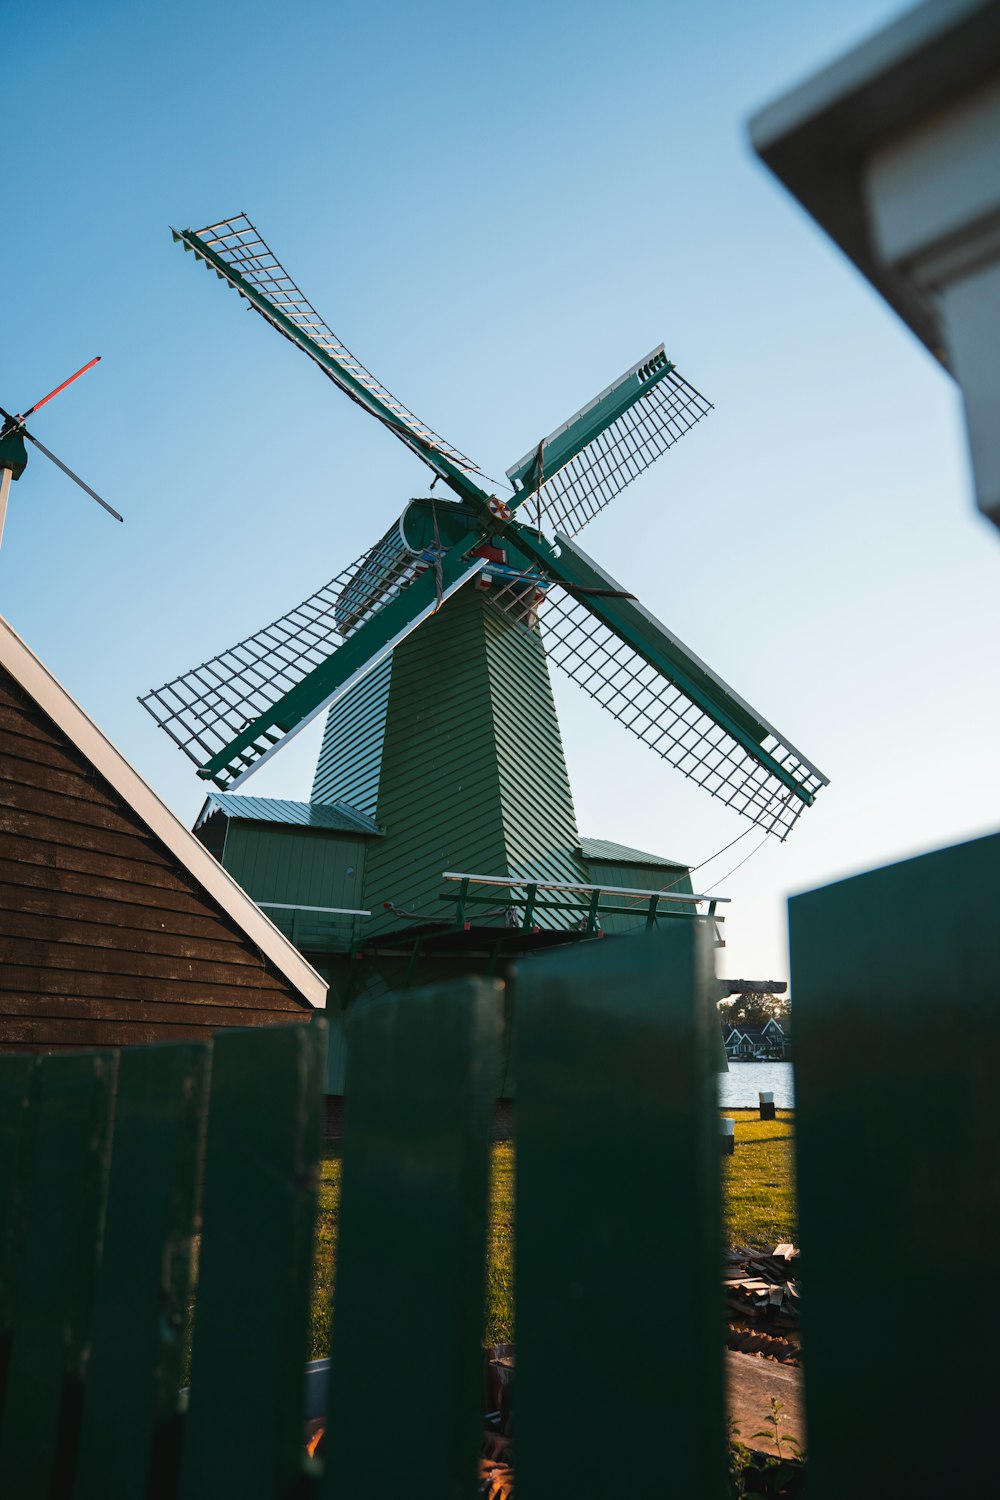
412, 1246
130, 1435
243, 1433
569, 440
361, 652
896, 976
453, 476
620, 1321
639, 630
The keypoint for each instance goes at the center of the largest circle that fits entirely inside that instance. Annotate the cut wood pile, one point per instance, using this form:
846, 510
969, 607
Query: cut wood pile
762, 1302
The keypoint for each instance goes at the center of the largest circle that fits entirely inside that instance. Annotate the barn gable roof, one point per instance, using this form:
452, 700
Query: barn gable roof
38, 683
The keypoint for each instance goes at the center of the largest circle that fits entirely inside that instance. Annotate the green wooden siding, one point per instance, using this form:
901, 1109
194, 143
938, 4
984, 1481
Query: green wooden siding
351, 753
296, 865
473, 775
640, 878
439, 798
536, 800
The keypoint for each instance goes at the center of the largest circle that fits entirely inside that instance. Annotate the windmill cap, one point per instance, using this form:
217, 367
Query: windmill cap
13, 454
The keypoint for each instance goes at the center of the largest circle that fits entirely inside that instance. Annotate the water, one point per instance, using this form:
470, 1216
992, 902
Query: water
739, 1087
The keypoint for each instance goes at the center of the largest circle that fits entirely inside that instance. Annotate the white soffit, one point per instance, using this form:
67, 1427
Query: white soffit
820, 137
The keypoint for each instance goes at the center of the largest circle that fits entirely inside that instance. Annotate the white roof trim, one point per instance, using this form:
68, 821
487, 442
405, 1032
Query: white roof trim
50, 695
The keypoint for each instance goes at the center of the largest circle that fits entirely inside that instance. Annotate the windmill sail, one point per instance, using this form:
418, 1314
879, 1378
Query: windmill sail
590, 459
655, 685
236, 251
232, 712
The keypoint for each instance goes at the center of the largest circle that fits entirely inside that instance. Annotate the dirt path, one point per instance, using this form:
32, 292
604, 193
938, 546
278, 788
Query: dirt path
751, 1382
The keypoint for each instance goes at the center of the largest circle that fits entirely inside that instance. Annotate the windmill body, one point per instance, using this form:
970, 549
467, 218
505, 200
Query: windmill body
430, 656
469, 772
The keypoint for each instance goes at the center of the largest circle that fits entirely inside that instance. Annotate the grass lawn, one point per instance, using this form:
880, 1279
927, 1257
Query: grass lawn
757, 1181
759, 1203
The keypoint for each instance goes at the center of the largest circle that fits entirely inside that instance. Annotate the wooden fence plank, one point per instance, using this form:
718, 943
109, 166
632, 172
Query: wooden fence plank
15, 1131
896, 977
410, 1259
618, 1255
244, 1428
129, 1433
56, 1274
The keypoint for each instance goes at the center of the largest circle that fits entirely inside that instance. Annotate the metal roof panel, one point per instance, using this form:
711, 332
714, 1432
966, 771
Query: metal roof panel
621, 854
334, 817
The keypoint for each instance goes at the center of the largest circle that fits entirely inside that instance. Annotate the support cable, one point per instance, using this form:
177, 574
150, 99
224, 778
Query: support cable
694, 868
753, 851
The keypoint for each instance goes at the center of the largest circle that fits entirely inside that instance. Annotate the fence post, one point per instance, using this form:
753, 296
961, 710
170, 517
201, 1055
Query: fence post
619, 1307
55, 1274
129, 1437
408, 1317
897, 1034
15, 1132
243, 1434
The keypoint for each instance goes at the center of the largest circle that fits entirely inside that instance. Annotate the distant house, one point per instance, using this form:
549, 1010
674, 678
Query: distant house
776, 1039
742, 1043
116, 924
758, 1043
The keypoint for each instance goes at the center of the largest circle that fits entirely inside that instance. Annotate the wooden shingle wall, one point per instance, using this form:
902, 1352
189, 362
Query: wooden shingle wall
106, 938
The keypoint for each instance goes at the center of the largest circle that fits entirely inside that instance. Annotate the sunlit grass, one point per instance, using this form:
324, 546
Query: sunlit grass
500, 1249
327, 1227
758, 1180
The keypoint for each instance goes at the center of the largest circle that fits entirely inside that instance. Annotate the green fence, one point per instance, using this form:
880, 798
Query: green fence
112, 1167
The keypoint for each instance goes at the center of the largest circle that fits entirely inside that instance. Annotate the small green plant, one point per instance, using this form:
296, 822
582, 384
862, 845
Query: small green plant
773, 1430
739, 1462
760, 1476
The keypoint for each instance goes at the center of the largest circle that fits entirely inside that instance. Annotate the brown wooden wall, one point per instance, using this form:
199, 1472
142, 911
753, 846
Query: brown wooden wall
105, 937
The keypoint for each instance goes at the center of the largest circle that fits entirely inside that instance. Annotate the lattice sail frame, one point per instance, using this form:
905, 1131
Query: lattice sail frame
205, 708
238, 243
654, 709
589, 481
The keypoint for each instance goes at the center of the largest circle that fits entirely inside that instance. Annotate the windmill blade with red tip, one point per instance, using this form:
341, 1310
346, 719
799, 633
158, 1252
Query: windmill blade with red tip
82, 371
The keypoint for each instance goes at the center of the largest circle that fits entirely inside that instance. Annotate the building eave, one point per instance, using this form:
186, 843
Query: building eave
53, 699
817, 138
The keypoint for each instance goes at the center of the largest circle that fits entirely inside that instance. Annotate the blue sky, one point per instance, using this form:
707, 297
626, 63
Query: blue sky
499, 208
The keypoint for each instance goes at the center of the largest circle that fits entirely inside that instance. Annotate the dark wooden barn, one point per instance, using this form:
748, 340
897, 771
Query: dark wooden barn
116, 924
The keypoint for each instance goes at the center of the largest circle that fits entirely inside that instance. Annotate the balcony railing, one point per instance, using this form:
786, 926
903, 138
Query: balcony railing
532, 898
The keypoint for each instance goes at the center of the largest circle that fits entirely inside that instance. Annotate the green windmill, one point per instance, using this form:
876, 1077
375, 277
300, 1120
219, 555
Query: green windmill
441, 753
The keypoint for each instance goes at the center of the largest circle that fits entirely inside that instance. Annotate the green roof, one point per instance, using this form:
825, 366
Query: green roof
335, 817
606, 852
